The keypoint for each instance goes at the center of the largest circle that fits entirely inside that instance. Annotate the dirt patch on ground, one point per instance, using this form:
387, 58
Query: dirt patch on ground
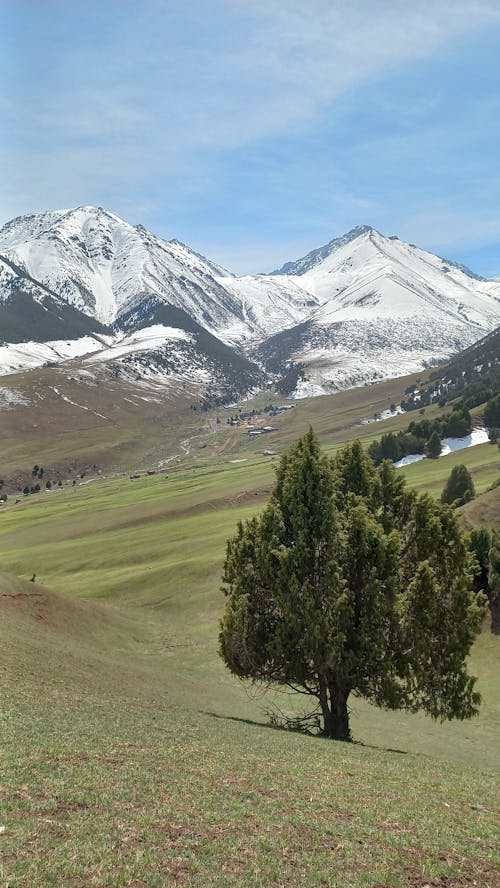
474, 874
35, 602
247, 496
227, 444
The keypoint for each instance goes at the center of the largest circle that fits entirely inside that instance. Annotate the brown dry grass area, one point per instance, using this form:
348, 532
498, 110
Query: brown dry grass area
111, 427
130, 430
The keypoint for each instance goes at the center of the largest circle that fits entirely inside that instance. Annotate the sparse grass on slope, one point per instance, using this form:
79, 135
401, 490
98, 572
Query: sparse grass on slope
483, 511
134, 793
115, 775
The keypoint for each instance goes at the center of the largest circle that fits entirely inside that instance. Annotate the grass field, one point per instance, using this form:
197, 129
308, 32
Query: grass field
132, 758
483, 462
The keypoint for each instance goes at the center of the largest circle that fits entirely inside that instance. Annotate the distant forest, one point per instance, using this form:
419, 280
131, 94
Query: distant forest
422, 437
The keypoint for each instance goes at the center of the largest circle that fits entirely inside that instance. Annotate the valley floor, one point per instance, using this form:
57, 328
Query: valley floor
131, 757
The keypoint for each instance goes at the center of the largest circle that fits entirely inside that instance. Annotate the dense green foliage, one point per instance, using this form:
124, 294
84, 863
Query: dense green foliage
480, 545
494, 580
418, 435
485, 547
492, 412
348, 582
459, 488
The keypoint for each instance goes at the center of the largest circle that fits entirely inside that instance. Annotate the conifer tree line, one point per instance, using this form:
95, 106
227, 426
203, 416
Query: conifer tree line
350, 583
423, 436
492, 411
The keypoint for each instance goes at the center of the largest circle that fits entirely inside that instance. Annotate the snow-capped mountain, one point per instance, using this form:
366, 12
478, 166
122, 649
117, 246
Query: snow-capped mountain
365, 262
361, 308
385, 308
65, 267
105, 267
314, 257
268, 304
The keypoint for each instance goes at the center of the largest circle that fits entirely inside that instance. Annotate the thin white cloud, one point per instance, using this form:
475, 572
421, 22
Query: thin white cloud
291, 61
164, 96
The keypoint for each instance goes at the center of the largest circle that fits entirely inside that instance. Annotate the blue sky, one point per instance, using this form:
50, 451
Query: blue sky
255, 131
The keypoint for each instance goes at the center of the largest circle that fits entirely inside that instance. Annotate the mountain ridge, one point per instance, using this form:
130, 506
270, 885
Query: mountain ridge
362, 307
300, 266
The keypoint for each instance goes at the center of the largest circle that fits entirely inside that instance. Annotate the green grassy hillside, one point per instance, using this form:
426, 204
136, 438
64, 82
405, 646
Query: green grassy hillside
483, 462
132, 758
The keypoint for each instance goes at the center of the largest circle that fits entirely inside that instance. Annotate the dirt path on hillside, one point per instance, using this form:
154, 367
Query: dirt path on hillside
227, 444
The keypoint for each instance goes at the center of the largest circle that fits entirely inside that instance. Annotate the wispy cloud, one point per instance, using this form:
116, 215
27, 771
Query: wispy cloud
147, 105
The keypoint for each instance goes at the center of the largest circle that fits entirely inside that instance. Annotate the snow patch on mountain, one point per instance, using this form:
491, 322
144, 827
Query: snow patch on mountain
10, 397
28, 355
268, 304
330, 370
145, 340
449, 445
10, 278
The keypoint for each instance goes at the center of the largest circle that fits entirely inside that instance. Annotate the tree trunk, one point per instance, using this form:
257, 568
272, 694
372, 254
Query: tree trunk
328, 726
338, 722
333, 702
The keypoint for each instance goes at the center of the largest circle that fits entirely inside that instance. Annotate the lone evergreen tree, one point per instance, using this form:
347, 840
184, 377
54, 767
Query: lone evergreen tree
433, 448
459, 488
349, 583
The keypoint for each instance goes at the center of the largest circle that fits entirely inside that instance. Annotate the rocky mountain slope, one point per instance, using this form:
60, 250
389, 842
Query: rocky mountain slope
473, 374
363, 307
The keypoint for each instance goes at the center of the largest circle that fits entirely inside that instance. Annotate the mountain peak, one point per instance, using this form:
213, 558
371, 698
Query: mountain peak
357, 231
87, 211
305, 263
105, 267
39, 224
